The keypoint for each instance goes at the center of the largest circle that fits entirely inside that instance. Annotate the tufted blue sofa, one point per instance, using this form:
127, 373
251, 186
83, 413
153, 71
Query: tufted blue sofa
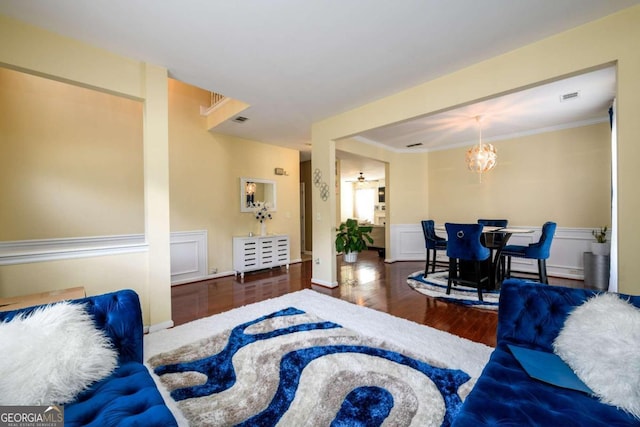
531, 315
128, 397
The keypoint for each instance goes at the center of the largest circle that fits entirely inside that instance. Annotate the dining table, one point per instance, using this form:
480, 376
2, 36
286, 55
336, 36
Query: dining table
495, 239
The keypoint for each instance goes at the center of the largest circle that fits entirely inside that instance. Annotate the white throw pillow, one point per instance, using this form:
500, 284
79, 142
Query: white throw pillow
50, 356
600, 341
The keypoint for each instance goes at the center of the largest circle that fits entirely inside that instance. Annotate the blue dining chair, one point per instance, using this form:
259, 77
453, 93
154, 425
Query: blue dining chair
539, 251
432, 244
463, 244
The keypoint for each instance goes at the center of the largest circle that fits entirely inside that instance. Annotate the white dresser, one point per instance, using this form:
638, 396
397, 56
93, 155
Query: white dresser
258, 252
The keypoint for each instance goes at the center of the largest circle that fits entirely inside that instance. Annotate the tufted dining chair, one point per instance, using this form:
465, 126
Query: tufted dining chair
539, 251
463, 244
432, 244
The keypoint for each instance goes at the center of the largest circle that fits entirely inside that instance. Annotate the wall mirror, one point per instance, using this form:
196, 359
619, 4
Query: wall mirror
254, 191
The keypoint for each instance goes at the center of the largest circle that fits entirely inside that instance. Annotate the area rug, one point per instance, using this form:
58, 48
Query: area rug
435, 285
309, 359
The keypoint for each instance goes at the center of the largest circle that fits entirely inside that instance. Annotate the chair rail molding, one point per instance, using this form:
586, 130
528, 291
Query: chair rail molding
566, 258
41, 250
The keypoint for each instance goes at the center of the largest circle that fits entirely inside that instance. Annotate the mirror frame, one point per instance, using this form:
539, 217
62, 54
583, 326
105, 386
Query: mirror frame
243, 194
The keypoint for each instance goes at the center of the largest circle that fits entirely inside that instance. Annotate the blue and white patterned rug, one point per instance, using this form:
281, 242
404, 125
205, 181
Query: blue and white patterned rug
291, 367
435, 285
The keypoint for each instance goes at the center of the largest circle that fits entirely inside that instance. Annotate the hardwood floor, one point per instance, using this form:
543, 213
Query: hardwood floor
370, 283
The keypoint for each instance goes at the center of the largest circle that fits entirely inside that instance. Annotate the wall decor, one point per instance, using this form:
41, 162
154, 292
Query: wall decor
317, 177
324, 191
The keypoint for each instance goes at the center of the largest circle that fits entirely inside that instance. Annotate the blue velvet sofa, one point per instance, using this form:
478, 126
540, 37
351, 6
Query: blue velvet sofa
531, 315
128, 397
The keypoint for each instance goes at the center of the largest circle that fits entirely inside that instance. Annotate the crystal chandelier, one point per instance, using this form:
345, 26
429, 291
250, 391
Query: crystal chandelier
481, 157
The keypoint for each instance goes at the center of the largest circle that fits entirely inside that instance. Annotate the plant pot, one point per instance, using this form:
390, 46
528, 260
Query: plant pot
600, 248
350, 256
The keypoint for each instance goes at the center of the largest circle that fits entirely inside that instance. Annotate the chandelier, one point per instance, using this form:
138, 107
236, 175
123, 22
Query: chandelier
481, 157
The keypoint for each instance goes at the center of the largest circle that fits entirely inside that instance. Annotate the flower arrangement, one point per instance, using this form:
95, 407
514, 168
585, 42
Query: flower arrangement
262, 212
601, 246
600, 234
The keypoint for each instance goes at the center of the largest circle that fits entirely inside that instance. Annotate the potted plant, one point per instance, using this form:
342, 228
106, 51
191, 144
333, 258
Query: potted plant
600, 246
352, 238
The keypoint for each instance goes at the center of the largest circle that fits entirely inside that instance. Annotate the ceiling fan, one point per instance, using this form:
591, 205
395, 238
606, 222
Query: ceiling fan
359, 178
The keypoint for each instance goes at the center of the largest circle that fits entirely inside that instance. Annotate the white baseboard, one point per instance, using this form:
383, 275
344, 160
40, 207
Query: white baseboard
324, 283
207, 277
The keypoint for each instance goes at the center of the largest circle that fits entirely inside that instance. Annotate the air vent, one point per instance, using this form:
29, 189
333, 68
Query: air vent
569, 96
240, 119
417, 144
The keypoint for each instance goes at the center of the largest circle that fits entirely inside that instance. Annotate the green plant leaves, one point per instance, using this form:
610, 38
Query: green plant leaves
352, 237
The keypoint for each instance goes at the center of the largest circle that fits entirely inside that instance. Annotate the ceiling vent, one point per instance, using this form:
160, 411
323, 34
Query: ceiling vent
417, 144
569, 96
240, 119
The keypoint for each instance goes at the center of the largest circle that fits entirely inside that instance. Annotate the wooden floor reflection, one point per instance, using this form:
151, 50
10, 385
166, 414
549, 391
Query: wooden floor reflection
370, 283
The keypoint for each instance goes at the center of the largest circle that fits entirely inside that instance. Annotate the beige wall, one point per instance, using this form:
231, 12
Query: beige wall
26, 48
562, 176
70, 160
406, 180
97, 275
437, 184
603, 42
205, 171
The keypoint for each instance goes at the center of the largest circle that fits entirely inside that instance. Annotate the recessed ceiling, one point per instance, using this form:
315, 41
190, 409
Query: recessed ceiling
570, 102
298, 62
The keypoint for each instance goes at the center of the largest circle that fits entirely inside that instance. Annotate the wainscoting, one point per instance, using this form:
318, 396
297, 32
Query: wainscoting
188, 256
566, 250
189, 250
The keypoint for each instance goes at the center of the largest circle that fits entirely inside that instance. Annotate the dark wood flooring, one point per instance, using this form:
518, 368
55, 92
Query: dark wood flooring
370, 283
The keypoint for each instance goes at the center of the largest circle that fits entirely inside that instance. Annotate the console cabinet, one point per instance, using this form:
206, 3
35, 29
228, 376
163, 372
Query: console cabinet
258, 252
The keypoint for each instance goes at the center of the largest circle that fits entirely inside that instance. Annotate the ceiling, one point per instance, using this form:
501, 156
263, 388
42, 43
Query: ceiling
535, 110
298, 62
570, 102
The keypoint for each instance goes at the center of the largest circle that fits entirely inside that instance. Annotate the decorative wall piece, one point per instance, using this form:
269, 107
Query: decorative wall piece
324, 191
317, 177
318, 182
